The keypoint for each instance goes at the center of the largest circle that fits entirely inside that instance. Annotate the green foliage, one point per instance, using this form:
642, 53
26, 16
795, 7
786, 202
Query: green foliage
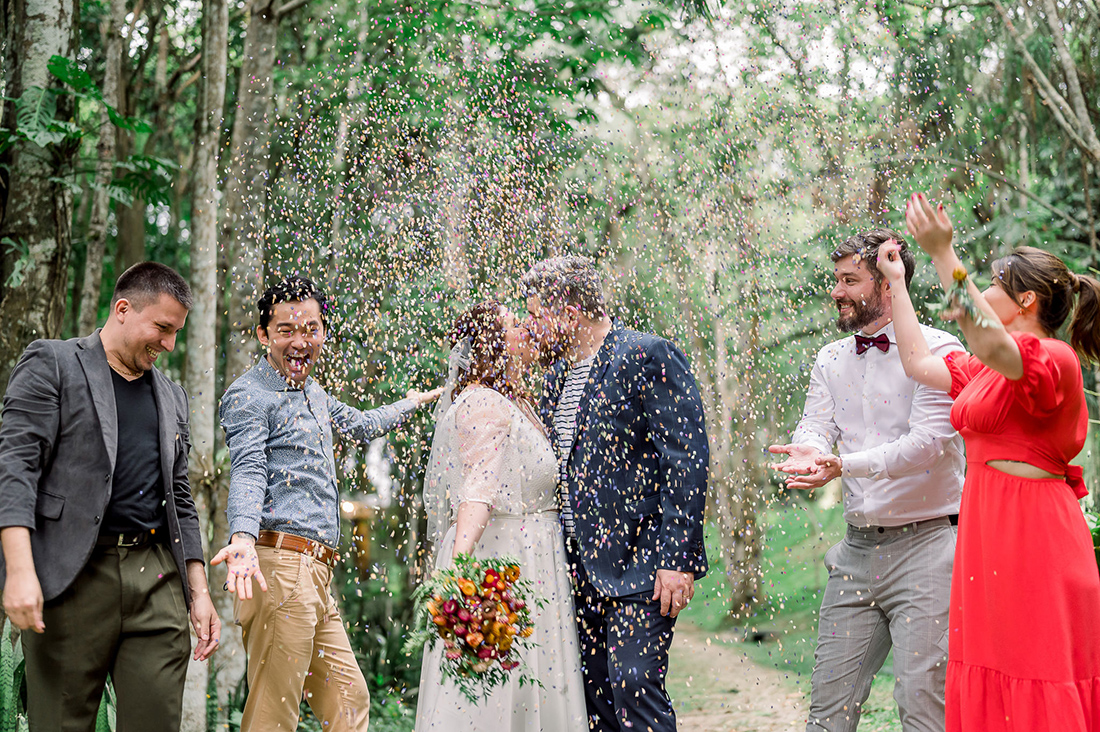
144, 177
12, 670
21, 251
1093, 519
108, 706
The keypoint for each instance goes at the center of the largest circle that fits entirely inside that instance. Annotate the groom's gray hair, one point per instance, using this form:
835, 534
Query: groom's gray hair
569, 280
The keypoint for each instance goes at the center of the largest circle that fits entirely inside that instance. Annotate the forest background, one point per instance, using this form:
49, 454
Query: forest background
414, 158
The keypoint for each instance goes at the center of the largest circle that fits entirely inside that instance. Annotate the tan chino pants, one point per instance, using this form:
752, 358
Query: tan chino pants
297, 644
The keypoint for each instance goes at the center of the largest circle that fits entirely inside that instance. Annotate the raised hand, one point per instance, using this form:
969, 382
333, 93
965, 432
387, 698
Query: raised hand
242, 565
890, 264
930, 227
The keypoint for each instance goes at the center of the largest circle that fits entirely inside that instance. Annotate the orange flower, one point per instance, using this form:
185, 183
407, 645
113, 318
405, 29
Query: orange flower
959, 275
474, 639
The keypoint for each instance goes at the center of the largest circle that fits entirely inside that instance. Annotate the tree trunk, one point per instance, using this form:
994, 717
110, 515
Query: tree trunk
244, 225
105, 164
131, 235
200, 364
37, 213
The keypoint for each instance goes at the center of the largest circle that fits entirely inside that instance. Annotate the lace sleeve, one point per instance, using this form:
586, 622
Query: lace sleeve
471, 458
483, 424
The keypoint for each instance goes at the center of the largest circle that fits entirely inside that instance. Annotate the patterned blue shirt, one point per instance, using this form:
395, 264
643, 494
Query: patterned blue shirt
282, 469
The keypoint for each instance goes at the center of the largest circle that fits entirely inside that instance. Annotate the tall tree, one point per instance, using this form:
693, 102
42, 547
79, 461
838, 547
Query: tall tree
104, 171
200, 364
245, 224
35, 202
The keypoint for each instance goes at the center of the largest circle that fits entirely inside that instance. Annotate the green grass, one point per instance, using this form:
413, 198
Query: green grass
796, 537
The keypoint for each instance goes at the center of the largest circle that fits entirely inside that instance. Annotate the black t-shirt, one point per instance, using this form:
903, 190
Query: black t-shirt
137, 491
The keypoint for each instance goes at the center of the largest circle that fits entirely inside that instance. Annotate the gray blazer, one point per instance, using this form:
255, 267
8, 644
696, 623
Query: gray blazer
58, 443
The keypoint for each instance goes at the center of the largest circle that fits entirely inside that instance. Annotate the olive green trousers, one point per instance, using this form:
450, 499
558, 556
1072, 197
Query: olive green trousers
124, 615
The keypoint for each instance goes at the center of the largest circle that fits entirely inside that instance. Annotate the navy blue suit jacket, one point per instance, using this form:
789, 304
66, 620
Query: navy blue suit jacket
637, 472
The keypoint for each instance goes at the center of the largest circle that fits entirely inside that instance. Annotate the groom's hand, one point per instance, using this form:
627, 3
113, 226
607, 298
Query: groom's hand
806, 467
675, 590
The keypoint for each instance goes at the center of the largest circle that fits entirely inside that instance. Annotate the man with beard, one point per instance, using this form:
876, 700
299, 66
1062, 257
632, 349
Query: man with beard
901, 466
625, 415
284, 518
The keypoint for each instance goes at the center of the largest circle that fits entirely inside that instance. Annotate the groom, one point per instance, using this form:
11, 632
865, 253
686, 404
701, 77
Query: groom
625, 415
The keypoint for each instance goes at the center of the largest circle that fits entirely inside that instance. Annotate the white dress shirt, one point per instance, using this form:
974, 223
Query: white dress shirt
902, 459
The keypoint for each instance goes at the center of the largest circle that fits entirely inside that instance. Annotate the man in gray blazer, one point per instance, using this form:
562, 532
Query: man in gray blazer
102, 555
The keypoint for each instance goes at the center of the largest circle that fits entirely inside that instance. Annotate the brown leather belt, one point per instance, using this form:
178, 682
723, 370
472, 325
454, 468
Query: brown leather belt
278, 540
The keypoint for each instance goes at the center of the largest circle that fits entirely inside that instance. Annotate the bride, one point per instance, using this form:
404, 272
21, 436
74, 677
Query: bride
490, 491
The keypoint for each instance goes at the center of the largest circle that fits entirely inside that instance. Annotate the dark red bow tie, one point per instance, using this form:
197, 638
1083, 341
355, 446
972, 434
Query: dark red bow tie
881, 342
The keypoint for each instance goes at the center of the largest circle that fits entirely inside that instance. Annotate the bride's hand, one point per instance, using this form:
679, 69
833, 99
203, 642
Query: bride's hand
424, 397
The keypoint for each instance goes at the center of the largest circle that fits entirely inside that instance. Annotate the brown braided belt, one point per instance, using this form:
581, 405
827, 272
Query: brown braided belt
278, 540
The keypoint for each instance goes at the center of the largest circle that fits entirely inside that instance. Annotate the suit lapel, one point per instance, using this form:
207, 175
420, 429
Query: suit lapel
166, 419
93, 359
595, 376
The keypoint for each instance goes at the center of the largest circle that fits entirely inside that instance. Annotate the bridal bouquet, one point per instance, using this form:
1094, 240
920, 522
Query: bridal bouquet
479, 609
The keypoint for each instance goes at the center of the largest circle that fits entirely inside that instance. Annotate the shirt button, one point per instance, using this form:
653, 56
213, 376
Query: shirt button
108, 477
881, 530
95, 520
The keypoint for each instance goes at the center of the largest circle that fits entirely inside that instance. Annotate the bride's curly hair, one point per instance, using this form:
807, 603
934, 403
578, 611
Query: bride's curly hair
483, 325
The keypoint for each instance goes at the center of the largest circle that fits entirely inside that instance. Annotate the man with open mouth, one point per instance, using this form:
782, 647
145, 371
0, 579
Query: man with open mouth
284, 518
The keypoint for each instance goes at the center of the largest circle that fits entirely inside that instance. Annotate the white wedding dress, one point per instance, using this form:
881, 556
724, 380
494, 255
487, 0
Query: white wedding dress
487, 449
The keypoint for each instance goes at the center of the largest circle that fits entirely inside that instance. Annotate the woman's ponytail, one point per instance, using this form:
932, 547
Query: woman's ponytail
1084, 329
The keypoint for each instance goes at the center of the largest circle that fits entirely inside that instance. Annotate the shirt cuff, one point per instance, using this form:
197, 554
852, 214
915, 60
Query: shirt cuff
813, 441
244, 525
855, 465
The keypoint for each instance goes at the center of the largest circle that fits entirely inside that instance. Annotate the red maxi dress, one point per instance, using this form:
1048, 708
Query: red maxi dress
1024, 649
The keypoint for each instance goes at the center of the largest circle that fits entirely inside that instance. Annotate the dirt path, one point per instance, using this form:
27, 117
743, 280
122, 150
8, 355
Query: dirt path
717, 688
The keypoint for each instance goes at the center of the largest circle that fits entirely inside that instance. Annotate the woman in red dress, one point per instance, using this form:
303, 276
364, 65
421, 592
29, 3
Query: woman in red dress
1024, 651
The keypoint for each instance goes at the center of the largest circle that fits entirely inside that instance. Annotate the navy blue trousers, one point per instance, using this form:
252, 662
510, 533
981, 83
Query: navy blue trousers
624, 657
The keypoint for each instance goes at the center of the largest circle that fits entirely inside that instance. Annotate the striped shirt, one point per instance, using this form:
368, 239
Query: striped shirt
565, 426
